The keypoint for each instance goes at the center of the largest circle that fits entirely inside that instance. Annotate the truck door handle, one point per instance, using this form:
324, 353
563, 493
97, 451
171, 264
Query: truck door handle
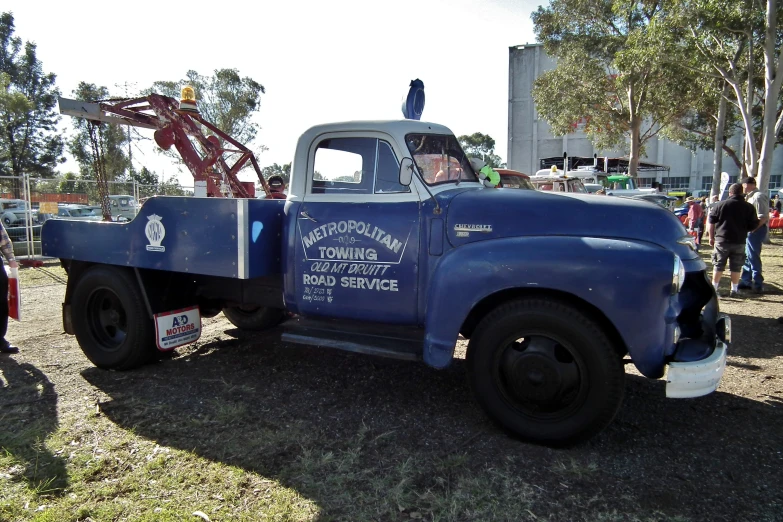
305, 215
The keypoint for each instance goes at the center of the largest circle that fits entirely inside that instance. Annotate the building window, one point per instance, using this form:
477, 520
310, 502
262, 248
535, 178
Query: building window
733, 179
706, 182
774, 181
645, 182
677, 182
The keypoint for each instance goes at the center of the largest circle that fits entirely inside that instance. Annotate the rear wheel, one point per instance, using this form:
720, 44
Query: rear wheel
545, 371
110, 319
257, 318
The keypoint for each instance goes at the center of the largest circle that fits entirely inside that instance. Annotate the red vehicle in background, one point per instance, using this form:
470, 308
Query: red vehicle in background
514, 179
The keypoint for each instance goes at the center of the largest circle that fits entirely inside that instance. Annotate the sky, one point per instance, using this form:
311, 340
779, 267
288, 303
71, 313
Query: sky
318, 61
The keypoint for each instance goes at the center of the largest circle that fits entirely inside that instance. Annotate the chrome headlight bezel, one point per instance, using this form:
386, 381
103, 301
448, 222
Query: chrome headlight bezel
678, 275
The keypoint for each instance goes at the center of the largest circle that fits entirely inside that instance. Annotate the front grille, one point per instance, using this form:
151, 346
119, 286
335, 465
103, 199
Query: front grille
699, 308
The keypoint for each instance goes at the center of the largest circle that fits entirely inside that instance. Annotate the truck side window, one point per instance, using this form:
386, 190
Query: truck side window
387, 175
344, 166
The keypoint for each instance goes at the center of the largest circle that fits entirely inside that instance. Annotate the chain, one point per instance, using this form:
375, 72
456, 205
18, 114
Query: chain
99, 166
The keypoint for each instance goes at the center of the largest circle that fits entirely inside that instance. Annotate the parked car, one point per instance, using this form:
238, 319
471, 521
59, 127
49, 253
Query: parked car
682, 210
623, 185
12, 212
659, 199
123, 206
80, 212
98, 211
514, 179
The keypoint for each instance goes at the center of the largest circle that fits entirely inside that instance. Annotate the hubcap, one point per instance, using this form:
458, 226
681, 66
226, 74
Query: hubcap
107, 319
540, 377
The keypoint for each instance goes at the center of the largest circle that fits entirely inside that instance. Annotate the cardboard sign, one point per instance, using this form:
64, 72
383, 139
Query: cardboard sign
177, 328
47, 207
14, 294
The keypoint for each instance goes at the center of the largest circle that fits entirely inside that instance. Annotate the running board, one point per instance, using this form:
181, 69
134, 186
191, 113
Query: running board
397, 342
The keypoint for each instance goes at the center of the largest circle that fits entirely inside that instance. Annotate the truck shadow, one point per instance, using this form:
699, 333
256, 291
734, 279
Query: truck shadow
28, 415
756, 337
279, 410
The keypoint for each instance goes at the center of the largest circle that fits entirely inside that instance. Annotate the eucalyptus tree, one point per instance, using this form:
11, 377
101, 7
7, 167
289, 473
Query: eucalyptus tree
29, 142
111, 139
740, 42
478, 145
613, 75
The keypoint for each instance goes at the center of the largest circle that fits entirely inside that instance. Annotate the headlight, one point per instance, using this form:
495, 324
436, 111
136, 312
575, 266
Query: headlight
678, 276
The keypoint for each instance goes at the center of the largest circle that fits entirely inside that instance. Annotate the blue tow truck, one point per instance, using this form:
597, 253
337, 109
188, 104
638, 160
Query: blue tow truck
389, 245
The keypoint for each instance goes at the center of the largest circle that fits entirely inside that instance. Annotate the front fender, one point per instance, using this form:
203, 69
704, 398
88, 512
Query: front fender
628, 281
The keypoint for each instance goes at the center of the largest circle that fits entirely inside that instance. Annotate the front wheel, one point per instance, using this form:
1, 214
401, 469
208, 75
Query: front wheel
257, 318
110, 319
545, 371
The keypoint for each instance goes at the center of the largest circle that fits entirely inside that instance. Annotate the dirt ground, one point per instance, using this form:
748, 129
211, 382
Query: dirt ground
264, 407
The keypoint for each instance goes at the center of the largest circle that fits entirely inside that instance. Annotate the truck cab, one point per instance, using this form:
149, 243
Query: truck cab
388, 245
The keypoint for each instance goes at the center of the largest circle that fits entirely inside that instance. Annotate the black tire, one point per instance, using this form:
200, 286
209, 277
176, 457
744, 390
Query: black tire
257, 318
110, 319
545, 372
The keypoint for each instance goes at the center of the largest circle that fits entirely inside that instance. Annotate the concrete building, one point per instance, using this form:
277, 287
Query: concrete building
530, 138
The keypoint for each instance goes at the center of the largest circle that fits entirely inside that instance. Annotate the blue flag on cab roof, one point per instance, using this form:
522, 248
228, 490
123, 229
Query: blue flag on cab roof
413, 104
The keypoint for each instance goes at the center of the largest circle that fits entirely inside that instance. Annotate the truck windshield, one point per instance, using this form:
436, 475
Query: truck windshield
439, 158
576, 186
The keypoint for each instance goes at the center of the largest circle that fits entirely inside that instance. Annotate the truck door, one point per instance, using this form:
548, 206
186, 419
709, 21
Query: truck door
357, 232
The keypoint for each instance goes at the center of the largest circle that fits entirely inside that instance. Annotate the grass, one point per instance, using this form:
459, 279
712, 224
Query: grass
152, 452
88, 468
49, 274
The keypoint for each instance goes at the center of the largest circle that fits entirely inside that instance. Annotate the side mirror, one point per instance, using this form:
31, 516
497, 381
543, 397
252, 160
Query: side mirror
406, 171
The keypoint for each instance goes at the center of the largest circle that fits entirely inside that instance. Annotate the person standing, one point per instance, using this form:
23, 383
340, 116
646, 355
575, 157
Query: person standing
7, 248
713, 201
752, 277
729, 223
695, 218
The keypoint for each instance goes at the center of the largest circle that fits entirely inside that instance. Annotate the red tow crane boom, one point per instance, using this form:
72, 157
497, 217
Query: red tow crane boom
174, 124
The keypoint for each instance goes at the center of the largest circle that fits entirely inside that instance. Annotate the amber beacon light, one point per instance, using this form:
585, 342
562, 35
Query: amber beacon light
187, 102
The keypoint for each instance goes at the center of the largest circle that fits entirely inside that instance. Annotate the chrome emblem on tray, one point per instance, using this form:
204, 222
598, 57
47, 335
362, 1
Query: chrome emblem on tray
155, 232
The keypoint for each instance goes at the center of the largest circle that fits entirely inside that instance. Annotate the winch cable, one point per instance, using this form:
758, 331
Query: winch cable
99, 166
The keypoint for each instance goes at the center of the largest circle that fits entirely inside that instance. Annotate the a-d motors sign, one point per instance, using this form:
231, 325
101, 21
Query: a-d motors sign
177, 328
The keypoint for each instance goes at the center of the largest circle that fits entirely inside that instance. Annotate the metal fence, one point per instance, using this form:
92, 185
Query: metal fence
21, 198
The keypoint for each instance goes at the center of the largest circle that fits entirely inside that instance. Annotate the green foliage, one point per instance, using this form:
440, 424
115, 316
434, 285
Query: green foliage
729, 42
68, 184
112, 139
697, 127
278, 170
615, 74
478, 145
144, 177
225, 99
29, 142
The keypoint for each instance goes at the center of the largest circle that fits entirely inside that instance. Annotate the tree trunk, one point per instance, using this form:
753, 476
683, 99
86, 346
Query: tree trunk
717, 161
749, 151
773, 76
636, 126
633, 160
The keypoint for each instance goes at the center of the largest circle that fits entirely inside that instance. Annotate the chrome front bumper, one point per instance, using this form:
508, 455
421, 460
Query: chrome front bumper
697, 378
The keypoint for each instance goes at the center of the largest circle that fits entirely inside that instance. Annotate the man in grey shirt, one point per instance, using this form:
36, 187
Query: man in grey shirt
751, 273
